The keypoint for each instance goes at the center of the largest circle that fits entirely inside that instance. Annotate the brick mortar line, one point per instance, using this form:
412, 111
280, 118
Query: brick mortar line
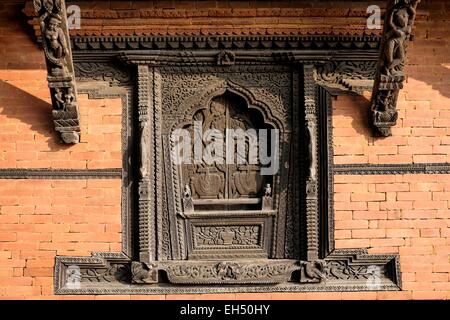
389, 169
25, 174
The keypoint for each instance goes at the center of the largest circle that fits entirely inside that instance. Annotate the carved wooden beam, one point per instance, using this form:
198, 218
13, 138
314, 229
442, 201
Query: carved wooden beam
400, 15
58, 57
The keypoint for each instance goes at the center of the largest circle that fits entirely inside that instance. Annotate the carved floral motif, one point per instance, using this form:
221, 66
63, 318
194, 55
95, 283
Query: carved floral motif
227, 235
229, 272
116, 272
340, 270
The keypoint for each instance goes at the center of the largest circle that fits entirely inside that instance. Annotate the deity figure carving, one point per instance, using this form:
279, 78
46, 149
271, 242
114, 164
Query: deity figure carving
389, 79
56, 45
386, 113
64, 99
144, 151
219, 179
400, 26
312, 271
59, 98
268, 190
61, 79
225, 58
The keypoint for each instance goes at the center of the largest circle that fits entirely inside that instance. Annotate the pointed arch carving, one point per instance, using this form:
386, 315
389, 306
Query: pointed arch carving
270, 113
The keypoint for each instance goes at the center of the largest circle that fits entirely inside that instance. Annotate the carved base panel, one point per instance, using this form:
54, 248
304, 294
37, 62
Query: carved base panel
230, 272
231, 237
115, 273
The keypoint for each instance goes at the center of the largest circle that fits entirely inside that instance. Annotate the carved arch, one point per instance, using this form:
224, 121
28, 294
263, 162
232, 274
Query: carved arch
266, 109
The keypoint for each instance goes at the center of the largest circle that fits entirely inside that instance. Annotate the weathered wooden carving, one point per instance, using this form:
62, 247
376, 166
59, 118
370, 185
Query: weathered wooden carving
142, 273
312, 271
61, 79
355, 76
146, 212
225, 58
220, 227
389, 79
229, 272
312, 198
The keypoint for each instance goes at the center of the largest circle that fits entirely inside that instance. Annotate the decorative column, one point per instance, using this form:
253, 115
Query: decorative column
145, 270
311, 269
400, 15
61, 78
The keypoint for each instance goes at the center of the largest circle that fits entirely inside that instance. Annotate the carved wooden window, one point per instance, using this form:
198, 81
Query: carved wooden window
205, 227
225, 209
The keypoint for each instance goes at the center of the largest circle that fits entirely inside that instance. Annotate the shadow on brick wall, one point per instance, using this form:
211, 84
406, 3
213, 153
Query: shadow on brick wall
36, 113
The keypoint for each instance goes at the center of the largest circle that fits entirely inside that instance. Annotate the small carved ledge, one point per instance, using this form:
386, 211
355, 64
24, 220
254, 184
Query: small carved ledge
390, 76
340, 77
58, 57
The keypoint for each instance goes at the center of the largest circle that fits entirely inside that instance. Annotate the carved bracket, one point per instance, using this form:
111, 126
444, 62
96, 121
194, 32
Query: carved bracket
58, 57
353, 76
342, 270
164, 261
389, 79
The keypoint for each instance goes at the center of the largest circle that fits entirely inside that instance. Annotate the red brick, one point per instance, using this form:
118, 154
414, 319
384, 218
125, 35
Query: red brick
402, 233
351, 224
369, 234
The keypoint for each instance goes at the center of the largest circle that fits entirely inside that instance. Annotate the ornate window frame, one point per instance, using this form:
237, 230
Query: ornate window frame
123, 66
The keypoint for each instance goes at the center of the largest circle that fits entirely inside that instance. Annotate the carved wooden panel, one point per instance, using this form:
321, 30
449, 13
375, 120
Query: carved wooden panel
58, 57
203, 227
218, 195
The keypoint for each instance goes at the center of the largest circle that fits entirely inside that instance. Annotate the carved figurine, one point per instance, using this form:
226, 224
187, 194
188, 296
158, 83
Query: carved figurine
389, 78
69, 99
400, 25
267, 198
187, 199
313, 271
187, 192
386, 113
225, 58
56, 45
59, 99
144, 151
55, 37
144, 273
268, 190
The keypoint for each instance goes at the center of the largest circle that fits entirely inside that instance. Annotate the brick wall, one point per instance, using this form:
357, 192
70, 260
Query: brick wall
422, 133
405, 214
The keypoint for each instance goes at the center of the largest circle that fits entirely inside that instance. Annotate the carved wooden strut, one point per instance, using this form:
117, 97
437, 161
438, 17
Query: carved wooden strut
58, 57
389, 79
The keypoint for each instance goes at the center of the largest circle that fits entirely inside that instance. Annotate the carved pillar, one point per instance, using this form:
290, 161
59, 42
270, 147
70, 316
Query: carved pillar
61, 78
312, 180
400, 15
145, 271
311, 270
146, 236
